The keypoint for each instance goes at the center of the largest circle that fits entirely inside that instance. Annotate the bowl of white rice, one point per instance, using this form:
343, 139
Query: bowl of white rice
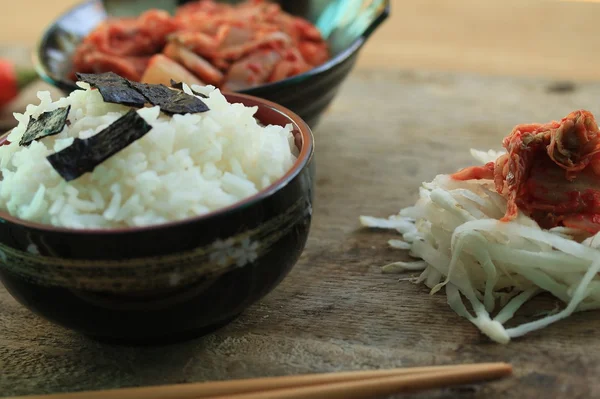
166, 237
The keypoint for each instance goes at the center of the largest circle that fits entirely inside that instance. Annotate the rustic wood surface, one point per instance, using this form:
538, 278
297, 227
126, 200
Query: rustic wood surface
554, 38
385, 134
22, 58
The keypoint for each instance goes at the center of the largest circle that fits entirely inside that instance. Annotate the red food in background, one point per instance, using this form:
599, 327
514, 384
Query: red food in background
230, 46
12, 80
551, 172
160, 65
124, 46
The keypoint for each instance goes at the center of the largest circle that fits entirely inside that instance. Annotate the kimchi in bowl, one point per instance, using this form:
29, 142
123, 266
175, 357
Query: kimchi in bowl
344, 27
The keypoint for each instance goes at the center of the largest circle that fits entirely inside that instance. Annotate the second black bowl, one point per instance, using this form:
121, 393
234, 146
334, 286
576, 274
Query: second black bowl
346, 25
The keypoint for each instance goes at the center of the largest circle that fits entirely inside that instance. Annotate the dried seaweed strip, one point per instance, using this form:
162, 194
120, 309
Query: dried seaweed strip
47, 124
170, 101
183, 103
118, 90
113, 88
176, 85
85, 154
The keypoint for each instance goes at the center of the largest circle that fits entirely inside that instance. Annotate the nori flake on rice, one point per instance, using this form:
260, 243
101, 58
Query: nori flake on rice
118, 90
179, 86
85, 154
47, 124
113, 88
170, 101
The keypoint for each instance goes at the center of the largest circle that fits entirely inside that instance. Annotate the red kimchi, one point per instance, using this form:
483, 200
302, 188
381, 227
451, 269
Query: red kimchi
550, 172
232, 47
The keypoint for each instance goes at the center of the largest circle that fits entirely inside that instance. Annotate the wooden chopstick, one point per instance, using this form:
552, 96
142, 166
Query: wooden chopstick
347, 385
375, 387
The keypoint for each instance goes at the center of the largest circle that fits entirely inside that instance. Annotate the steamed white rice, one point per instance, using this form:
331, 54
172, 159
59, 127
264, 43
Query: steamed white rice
186, 165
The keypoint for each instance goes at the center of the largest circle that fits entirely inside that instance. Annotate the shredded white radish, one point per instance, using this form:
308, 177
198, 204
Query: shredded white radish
454, 232
486, 156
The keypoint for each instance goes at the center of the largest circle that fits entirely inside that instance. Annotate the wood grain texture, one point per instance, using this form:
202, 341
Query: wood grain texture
336, 311
535, 37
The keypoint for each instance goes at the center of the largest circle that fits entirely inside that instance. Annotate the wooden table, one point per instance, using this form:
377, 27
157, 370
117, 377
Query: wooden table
336, 310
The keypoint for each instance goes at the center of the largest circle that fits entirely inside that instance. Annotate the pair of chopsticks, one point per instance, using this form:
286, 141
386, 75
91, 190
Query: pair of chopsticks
342, 385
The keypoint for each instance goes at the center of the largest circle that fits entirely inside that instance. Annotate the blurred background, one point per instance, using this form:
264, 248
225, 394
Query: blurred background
547, 38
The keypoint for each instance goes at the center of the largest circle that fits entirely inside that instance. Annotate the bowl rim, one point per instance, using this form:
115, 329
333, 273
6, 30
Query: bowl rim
331, 63
303, 159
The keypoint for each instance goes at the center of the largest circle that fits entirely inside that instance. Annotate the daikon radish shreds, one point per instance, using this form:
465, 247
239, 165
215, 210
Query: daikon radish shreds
460, 244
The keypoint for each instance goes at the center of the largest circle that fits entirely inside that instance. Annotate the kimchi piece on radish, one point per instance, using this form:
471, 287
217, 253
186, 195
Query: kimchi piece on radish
524, 222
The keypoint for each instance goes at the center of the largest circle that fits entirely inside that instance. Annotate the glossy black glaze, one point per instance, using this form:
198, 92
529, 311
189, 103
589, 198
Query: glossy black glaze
94, 294
308, 94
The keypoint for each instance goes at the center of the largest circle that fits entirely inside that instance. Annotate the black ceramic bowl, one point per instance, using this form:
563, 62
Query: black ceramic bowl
171, 281
346, 25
